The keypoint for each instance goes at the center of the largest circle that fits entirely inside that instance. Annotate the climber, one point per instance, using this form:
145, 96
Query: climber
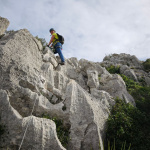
56, 44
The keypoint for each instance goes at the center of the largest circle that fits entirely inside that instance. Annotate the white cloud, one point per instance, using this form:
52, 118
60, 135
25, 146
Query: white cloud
91, 29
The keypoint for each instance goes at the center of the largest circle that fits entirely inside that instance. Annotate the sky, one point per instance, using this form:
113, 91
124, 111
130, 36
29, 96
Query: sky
92, 28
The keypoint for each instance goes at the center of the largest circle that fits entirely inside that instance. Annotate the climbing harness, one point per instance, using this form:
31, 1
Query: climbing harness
52, 49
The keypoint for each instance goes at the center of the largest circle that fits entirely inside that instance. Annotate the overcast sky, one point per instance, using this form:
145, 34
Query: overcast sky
92, 28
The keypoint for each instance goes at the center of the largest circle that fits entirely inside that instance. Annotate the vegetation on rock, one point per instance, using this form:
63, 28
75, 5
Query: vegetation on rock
42, 40
113, 69
62, 131
146, 65
128, 123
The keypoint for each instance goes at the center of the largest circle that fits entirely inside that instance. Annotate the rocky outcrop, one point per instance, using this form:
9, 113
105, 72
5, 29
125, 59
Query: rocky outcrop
41, 133
124, 69
115, 85
122, 59
87, 117
81, 93
4, 23
129, 65
29, 74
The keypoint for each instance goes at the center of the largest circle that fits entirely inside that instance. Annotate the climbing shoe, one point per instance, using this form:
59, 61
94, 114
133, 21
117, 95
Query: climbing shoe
62, 63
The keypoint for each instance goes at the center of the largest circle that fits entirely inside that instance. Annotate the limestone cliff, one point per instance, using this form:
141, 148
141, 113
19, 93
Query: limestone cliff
80, 93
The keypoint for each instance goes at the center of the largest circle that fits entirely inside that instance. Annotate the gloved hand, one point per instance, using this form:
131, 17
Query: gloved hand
47, 45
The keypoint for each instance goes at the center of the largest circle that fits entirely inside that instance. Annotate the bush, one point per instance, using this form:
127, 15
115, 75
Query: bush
113, 69
128, 123
141, 94
146, 65
62, 131
142, 98
130, 84
42, 40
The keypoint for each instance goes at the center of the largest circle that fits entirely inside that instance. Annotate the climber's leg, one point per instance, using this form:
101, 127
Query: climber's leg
59, 51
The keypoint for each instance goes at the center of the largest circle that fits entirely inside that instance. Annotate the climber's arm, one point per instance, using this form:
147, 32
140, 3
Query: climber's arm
51, 40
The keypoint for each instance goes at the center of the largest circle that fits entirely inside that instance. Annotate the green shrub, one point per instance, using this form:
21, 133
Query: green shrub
62, 131
146, 65
130, 84
141, 94
113, 69
42, 40
128, 123
142, 98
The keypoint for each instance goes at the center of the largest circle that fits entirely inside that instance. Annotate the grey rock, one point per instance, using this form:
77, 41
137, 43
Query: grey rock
54, 99
92, 79
41, 133
74, 61
122, 59
103, 97
53, 61
4, 23
45, 131
115, 86
57, 92
147, 80
124, 69
84, 88
86, 65
87, 117
49, 57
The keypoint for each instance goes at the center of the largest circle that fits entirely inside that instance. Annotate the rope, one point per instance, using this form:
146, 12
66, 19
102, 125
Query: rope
27, 126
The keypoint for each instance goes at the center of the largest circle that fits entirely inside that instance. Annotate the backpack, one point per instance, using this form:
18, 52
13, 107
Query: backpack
60, 38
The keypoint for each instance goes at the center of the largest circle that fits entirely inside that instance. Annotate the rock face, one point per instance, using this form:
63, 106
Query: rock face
124, 69
41, 132
115, 85
122, 59
130, 66
31, 75
4, 23
81, 93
